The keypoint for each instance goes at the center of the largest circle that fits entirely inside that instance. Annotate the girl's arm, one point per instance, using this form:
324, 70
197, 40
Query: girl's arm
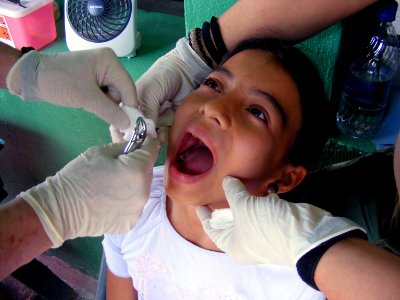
356, 269
119, 288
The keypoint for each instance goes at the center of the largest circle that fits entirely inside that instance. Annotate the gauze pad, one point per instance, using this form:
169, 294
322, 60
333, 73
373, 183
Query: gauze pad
221, 218
133, 113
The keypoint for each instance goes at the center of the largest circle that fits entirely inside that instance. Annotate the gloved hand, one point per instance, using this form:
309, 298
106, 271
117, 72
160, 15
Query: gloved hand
101, 191
269, 229
170, 78
76, 79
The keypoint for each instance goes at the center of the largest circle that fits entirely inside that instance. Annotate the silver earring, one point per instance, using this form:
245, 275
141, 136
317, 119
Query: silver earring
272, 188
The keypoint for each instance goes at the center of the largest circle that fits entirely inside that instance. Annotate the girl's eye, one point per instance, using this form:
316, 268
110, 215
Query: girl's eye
258, 113
211, 83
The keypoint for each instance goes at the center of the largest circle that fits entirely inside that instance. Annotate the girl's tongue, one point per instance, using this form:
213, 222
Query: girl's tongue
194, 158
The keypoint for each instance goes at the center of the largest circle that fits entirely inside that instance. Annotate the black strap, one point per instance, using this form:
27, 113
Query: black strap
217, 37
205, 30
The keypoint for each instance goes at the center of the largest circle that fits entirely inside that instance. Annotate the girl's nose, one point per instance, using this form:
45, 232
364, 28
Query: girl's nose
218, 111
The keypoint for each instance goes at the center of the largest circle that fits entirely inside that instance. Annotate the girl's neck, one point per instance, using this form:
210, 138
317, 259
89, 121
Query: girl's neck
185, 222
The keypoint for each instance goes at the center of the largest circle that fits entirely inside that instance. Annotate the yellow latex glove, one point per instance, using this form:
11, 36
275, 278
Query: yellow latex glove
269, 229
170, 78
76, 79
101, 191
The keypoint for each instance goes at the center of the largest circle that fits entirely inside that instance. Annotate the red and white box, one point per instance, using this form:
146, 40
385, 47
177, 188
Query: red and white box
27, 23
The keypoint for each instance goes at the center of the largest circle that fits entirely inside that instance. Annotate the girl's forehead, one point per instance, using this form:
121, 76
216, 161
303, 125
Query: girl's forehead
263, 56
255, 62
261, 70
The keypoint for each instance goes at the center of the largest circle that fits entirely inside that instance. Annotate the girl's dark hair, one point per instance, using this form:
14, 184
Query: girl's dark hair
317, 121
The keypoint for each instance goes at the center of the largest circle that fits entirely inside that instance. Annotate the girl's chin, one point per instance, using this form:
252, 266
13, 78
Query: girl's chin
188, 196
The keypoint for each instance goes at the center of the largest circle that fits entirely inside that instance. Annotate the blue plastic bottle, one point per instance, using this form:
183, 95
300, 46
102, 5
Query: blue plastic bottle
364, 97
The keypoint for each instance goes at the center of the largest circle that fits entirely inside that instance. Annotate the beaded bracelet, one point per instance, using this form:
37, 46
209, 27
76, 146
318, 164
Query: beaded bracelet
196, 44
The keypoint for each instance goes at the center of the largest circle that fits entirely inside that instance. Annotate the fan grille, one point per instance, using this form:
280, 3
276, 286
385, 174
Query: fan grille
99, 21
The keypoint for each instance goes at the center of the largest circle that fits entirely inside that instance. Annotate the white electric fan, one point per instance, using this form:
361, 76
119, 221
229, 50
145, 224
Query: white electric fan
91, 24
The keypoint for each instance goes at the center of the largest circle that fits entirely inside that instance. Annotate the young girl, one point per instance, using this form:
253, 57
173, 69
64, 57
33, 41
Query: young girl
260, 117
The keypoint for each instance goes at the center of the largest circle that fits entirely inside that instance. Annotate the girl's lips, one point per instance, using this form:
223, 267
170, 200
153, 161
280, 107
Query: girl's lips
201, 134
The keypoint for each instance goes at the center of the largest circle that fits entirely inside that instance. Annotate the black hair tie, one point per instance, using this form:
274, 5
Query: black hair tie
217, 37
205, 31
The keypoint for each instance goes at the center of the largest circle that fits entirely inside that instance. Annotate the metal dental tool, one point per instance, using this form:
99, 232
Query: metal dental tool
138, 136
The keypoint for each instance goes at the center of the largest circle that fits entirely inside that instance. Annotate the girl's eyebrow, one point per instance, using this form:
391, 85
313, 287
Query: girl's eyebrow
224, 71
267, 96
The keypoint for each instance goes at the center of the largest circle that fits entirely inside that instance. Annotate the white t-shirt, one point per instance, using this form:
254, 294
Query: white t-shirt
163, 265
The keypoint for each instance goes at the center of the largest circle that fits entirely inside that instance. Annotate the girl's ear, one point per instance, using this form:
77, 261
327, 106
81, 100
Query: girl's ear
290, 178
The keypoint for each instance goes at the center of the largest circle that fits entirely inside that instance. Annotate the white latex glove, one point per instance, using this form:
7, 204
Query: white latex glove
75, 79
269, 229
170, 78
101, 191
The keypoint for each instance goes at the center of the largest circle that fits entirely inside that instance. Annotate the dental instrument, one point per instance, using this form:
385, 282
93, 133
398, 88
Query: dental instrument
138, 136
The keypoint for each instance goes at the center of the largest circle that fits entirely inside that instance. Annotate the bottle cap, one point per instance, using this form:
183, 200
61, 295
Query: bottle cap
387, 11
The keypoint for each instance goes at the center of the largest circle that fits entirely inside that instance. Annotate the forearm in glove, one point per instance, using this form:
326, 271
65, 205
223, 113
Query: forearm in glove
274, 231
94, 80
101, 191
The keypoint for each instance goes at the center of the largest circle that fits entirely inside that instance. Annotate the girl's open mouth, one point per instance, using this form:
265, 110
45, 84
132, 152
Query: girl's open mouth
193, 157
